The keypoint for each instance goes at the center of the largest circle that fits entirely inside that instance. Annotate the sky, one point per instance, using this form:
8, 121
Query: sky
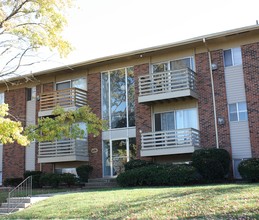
99, 28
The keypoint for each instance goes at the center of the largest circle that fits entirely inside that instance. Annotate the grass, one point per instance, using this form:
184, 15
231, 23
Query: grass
232, 201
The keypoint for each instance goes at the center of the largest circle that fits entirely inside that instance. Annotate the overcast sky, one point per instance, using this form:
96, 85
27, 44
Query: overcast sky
100, 28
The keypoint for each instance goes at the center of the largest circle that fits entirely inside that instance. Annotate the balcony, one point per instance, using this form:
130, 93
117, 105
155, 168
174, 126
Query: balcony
167, 85
179, 141
63, 151
68, 98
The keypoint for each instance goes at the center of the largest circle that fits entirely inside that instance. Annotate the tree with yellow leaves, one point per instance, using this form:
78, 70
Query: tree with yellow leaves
27, 25
11, 131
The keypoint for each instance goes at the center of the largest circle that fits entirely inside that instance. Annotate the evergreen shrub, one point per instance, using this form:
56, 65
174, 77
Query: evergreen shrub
213, 164
249, 169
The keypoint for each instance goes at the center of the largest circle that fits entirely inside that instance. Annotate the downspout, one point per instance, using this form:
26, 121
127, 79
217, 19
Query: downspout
213, 94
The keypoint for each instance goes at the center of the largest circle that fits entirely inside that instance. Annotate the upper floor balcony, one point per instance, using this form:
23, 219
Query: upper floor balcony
167, 85
63, 151
179, 141
67, 98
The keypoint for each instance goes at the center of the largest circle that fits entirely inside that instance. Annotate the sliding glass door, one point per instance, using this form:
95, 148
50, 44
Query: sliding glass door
178, 119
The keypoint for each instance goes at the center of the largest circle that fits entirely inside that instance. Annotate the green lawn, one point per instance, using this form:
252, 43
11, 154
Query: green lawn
233, 201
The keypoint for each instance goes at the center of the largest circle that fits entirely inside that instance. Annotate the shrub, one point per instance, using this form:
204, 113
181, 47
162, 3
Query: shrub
83, 172
35, 177
249, 169
157, 175
213, 164
68, 178
13, 181
132, 164
50, 179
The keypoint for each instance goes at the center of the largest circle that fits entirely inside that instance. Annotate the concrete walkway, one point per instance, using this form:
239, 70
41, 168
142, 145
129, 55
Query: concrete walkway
39, 198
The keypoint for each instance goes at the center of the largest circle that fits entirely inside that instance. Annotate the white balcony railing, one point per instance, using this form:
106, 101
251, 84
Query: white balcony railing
169, 142
72, 97
175, 82
62, 151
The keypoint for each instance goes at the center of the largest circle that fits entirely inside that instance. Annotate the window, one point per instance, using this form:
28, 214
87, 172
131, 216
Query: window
30, 93
238, 111
118, 98
75, 83
1, 98
232, 57
173, 65
179, 119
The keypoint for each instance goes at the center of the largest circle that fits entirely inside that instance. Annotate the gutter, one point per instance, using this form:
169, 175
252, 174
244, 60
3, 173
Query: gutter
213, 93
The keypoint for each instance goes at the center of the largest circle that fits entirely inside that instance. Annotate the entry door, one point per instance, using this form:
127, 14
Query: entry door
116, 153
119, 156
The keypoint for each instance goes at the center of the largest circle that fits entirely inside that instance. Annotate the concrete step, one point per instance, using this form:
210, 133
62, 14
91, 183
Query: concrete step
20, 199
15, 205
100, 183
5, 210
102, 180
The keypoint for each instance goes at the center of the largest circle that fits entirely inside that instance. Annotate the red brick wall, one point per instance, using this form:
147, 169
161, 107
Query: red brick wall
205, 102
221, 100
142, 111
250, 56
94, 101
14, 154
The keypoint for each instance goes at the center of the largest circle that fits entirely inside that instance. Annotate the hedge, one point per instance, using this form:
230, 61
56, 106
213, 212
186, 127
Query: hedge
158, 175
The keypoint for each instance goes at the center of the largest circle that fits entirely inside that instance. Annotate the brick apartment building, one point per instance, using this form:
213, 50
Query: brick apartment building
160, 103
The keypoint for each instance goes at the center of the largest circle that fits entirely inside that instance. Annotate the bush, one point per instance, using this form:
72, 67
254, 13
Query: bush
157, 175
132, 164
83, 172
68, 178
13, 181
35, 177
213, 164
50, 179
249, 169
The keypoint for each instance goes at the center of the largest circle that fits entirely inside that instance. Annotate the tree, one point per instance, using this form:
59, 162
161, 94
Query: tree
10, 131
27, 25
65, 124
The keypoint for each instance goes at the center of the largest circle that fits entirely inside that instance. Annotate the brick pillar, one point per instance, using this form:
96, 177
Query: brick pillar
205, 104
221, 100
142, 111
14, 154
250, 57
94, 101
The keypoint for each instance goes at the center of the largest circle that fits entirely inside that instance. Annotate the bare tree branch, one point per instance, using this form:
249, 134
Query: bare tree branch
14, 11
